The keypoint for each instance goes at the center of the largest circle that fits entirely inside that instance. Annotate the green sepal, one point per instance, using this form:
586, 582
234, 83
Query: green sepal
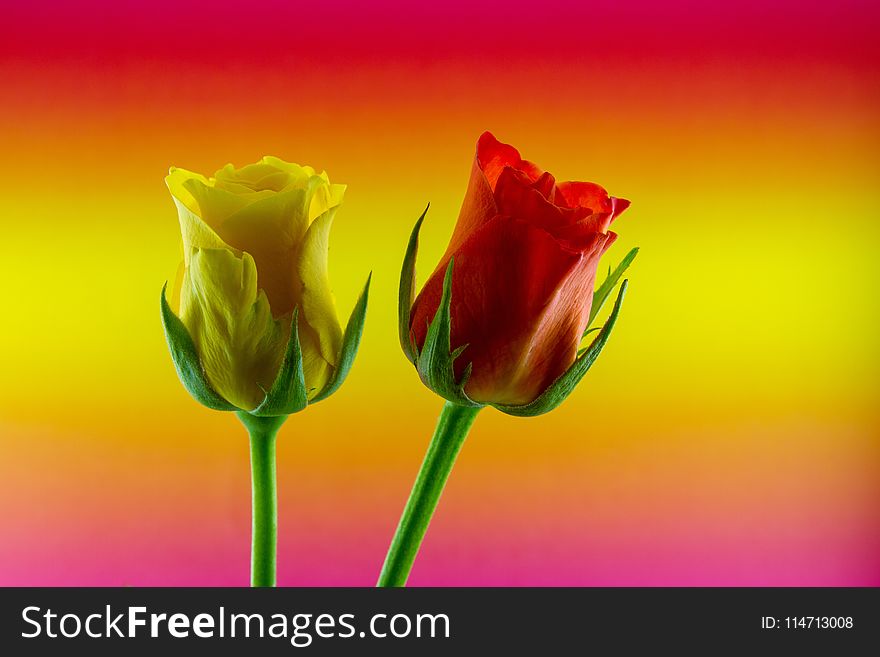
187, 362
288, 394
608, 285
350, 342
435, 362
406, 292
562, 387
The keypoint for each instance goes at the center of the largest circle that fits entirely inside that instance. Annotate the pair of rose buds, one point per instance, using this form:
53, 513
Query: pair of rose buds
252, 326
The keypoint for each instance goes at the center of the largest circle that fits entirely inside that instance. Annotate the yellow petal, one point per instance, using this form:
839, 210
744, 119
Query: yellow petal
316, 369
174, 299
216, 204
195, 233
271, 230
240, 345
326, 196
253, 177
175, 181
316, 303
298, 174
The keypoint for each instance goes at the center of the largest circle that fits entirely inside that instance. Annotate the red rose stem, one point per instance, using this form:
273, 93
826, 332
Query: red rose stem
452, 428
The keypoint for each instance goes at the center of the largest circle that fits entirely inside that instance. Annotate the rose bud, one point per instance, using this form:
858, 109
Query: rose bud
501, 318
252, 323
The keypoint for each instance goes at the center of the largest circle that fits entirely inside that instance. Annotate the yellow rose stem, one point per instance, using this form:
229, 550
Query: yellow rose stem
264, 499
452, 428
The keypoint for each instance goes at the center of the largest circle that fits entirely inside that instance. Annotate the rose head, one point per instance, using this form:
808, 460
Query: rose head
252, 293
524, 256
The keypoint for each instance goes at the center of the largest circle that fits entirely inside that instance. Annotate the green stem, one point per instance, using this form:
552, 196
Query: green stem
452, 428
264, 500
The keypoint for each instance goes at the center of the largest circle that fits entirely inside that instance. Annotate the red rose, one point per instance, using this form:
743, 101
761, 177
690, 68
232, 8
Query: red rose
525, 255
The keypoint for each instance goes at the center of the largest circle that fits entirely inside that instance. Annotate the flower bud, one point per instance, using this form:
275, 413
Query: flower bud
501, 318
252, 296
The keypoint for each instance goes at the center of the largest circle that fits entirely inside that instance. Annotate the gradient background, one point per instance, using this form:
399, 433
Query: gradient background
730, 432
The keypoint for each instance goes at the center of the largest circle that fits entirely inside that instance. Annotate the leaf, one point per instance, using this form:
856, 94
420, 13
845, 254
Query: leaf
187, 362
562, 387
406, 292
435, 362
604, 291
288, 394
350, 342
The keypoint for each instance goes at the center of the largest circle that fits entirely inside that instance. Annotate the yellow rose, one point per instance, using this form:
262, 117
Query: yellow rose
254, 250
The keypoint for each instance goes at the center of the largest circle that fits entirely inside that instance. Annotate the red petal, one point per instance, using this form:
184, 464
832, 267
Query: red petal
520, 301
618, 206
477, 208
546, 186
584, 238
603, 208
584, 195
516, 196
493, 156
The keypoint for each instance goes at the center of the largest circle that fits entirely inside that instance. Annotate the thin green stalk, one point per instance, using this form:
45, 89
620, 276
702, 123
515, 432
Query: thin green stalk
452, 428
264, 499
